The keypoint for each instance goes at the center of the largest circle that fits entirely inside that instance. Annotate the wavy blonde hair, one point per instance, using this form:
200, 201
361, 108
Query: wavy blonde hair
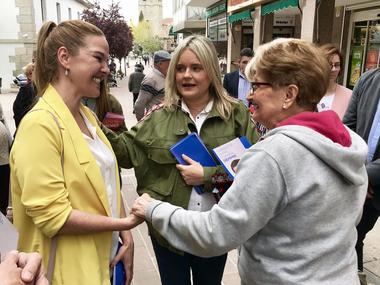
205, 51
293, 61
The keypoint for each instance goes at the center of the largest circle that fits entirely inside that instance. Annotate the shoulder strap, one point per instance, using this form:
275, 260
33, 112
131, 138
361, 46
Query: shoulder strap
51, 263
54, 240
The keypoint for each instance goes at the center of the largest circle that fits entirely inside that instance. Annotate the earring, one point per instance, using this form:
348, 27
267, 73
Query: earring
283, 106
66, 72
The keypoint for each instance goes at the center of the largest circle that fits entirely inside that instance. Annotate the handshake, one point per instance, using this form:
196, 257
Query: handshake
138, 210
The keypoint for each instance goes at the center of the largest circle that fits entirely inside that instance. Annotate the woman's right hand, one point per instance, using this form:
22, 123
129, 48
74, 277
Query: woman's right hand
192, 173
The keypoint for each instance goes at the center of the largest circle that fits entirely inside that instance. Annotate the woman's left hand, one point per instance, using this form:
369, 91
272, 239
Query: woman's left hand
126, 254
192, 173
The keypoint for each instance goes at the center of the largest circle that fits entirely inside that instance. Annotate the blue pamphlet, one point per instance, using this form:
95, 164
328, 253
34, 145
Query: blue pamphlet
119, 276
229, 154
193, 147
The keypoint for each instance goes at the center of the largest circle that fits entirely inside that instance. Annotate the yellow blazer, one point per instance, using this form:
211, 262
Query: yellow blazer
44, 194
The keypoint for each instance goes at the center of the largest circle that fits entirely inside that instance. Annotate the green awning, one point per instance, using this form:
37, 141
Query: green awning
278, 6
239, 16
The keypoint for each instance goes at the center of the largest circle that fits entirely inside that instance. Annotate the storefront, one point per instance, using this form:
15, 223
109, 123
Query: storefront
242, 23
281, 19
217, 27
254, 22
363, 43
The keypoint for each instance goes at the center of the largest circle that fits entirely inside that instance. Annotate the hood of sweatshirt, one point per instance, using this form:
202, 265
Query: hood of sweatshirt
333, 143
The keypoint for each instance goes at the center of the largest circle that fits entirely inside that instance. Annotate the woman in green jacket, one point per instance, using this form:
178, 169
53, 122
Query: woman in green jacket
195, 101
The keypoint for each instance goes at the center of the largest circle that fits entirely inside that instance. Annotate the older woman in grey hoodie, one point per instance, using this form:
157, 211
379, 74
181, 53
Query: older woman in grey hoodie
297, 194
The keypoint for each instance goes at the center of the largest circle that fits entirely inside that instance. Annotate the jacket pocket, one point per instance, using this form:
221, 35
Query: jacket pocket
161, 155
161, 176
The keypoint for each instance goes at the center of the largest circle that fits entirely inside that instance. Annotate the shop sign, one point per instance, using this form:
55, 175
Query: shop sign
285, 21
213, 23
216, 10
222, 21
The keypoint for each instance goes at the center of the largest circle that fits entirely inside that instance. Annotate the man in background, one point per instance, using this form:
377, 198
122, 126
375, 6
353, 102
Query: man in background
152, 89
235, 82
134, 83
363, 117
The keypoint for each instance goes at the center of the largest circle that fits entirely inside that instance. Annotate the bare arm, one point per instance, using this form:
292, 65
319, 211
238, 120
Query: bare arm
80, 222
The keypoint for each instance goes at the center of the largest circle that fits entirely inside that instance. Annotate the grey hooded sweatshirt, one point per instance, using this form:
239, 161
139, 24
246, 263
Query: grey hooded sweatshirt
292, 209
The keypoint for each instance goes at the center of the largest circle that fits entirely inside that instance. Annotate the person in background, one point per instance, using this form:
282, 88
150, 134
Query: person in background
363, 117
297, 194
26, 96
64, 177
5, 145
195, 101
139, 65
134, 83
146, 58
337, 96
112, 66
106, 103
152, 89
22, 268
235, 82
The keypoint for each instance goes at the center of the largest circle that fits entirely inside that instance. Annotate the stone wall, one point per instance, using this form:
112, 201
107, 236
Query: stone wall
27, 35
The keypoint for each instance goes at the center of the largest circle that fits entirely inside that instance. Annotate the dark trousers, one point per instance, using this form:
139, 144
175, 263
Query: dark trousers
369, 218
175, 268
4, 187
135, 95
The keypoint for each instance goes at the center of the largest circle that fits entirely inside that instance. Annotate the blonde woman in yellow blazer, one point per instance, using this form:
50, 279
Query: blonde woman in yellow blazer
58, 187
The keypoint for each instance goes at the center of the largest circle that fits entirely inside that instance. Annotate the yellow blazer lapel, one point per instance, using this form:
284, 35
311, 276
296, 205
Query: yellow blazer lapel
90, 116
81, 148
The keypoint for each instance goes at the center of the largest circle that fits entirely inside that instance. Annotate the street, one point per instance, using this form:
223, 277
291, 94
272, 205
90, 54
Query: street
145, 272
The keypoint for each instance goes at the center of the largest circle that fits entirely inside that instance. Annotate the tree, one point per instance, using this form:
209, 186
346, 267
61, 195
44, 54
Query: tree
114, 27
143, 37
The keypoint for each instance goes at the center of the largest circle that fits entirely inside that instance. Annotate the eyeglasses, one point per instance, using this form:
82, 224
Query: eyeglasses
336, 65
257, 85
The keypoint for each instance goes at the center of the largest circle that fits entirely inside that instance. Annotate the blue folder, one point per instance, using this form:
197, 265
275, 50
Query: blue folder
119, 275
193, 147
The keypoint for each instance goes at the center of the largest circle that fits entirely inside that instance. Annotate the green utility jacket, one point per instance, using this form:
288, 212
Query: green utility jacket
146, 148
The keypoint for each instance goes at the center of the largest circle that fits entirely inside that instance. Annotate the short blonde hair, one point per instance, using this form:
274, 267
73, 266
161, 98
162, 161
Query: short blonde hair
205, 51
293, 61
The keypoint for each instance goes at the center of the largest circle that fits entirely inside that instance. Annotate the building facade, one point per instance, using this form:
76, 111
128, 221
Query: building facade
357, 31
152, 13
352, 25
20, 21
188, 18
